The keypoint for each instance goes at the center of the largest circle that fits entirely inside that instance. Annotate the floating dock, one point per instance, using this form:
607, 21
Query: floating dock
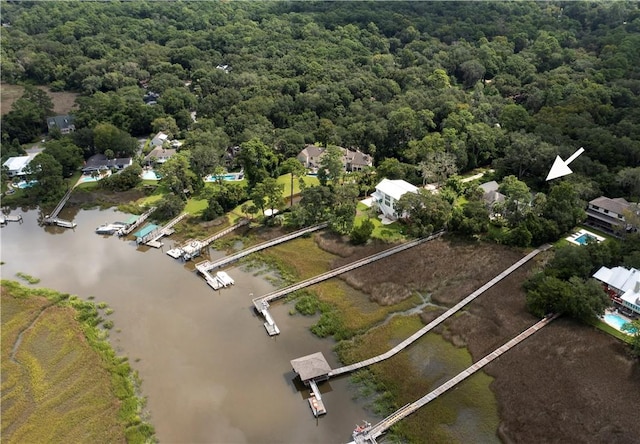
5, 219
220, 280
205, 267
315, 400
193, 248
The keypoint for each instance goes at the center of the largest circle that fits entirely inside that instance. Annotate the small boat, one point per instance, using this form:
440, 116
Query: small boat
110, 228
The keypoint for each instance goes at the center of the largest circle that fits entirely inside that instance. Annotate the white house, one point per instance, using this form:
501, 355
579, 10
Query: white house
16, 165
623, 287
388, 192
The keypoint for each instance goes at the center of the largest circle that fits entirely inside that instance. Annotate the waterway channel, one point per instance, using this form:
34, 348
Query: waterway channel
210, 372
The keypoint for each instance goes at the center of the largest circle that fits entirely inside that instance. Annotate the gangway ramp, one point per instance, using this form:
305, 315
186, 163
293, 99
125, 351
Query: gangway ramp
152, 238
192, 249
378, 429
206, 266
53, 219
261, 303
440, 319
139, 220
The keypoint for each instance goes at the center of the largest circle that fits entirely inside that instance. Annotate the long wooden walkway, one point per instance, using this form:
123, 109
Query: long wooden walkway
152, 238
269, 297
53, 219
447, 314
378, 429
192, 249
206, 266
139, 221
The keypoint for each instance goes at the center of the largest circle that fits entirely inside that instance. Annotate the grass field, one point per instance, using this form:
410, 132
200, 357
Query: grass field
61, 381
63, 102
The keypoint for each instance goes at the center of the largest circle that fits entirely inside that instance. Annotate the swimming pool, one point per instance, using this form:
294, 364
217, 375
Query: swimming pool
150, 175
616, 321
584, 238
24, 184
230, 176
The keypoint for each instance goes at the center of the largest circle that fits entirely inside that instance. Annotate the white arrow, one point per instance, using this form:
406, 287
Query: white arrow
561, 167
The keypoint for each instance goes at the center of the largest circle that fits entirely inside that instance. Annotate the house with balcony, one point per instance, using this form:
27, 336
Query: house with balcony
159, 155
608, 214
388, 193
623, 287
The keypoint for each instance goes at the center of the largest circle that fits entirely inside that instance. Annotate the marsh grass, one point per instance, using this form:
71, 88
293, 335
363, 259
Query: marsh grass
27, 278
63, 382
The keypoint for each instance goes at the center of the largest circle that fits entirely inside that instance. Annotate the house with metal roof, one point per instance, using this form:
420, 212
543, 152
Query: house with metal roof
623, 287
16, 165
388, 193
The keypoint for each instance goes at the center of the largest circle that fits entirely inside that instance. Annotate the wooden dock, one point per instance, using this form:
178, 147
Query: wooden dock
53, 219
370, 435
152, 239
192, 249
206, 266
139, 221
262, 303
430, 326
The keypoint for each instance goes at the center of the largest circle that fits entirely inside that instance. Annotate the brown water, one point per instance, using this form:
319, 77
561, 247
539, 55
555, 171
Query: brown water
210, 371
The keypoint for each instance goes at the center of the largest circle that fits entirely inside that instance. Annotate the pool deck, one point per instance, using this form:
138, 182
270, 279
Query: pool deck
582, 232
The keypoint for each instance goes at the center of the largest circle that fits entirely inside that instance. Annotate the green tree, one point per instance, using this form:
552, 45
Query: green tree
629, 179
360, 234
257, 160
437, 166
49, 185
68, 155
424, 212
267, 195
331, 166
518, 198
177, 176
293, 167
633, 328
107, 136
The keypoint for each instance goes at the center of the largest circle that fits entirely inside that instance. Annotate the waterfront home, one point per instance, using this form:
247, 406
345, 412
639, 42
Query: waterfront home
16, 165
100, 162
387, 194
623, 287
159, 155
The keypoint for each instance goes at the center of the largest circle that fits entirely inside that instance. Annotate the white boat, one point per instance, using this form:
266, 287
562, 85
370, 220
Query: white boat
110, 228
225, 278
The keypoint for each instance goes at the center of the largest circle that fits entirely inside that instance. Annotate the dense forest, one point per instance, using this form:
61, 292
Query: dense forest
426, 88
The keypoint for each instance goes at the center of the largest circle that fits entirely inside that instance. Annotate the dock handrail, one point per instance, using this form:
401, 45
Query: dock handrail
162, 231
259, 301
444, 316
144, 216
208, 265
408, 409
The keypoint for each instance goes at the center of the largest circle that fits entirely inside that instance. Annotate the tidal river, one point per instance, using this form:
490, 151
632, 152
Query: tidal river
209, 370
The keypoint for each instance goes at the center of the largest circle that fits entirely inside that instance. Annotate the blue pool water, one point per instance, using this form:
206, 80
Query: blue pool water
583, 239
230, 176
150, 175
615, 321
23, 184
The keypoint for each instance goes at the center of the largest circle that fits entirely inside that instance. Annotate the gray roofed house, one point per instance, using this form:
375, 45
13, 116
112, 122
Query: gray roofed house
313, 366
64, 123
352, 160
99, 162
608, 214
159, 155
491, 194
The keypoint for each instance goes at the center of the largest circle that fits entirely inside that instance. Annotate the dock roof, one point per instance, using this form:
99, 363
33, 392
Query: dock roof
146, 230
311, 366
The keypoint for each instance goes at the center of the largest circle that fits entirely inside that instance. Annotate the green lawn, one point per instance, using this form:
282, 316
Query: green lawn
387, 233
